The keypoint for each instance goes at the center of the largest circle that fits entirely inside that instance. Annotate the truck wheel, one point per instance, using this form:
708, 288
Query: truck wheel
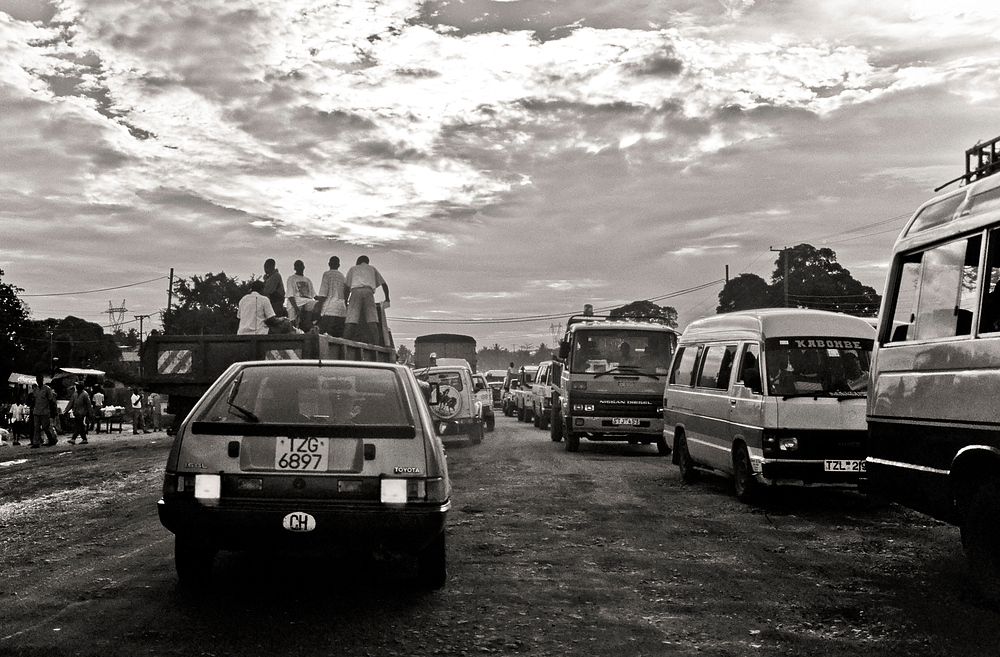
572, 441
543, 420
555, 427
476, 435
981, 538
432, 564
535, 419
746, 486
520, 413
491, 422
684, 463
193, 561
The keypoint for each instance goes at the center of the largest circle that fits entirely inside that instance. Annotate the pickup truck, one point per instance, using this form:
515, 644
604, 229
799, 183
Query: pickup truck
543, 388
184, 366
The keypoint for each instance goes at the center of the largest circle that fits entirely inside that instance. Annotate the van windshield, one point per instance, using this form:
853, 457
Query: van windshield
621, 350
818, 365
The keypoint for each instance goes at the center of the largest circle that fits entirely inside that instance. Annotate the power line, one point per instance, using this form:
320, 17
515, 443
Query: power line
105, 289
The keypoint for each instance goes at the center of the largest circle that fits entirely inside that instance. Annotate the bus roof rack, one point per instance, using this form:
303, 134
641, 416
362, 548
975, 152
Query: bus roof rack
578, 319
980, 161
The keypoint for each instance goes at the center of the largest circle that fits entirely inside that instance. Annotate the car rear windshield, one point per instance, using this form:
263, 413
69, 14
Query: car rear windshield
313, 395
818, 365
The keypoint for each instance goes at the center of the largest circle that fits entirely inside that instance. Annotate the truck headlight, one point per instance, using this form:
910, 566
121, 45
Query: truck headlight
789, 444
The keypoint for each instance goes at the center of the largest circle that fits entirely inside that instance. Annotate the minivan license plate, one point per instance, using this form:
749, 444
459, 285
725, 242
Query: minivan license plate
633, 421
301, 454
844, 466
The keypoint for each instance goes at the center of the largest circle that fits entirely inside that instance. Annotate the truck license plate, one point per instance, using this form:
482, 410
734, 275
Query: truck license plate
631, 421
843, 466
301, 454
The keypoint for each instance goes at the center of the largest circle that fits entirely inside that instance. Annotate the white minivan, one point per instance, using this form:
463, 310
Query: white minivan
770, 397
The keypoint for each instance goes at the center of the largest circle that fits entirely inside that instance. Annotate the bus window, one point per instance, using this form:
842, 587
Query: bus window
937, 292
989, 316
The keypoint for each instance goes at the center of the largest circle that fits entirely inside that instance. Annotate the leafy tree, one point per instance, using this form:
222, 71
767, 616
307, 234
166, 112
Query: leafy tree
404, 355
744, 292
13, 314
815, 280
68, 342
646, 309
205, 305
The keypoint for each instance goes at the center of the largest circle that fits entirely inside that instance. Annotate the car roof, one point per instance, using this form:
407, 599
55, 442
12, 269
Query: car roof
775, 322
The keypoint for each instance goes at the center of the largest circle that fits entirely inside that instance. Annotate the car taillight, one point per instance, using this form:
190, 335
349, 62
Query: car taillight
436, 491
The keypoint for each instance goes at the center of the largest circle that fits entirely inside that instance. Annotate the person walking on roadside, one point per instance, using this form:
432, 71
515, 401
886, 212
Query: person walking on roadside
138, 422
359, 290
274, 288
43, 404
155, 412
82, 410
330, 300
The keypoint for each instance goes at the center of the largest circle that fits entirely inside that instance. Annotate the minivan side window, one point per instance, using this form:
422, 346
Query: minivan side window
749, 370
989, 315
935, 294
685, 362
717, 366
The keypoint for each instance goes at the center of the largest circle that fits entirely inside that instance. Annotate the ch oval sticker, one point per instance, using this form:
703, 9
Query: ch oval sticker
299, 522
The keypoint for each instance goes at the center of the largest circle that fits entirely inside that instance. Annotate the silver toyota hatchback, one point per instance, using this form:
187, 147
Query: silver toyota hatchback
331, 455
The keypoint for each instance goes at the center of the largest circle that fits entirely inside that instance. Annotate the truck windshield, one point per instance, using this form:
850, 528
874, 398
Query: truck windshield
624, 350
813, 365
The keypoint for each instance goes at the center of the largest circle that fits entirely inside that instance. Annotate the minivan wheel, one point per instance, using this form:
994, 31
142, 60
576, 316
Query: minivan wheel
981, 539
689, 474
193, 561
432, 570
747, 488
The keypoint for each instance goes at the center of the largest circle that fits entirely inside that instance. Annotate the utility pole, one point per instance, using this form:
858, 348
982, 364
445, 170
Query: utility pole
170, 294
784, 259
140, 318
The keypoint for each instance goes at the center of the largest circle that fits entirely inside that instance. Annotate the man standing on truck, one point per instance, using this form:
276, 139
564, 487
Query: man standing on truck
301, 297
274, 289
359, 290
333, 310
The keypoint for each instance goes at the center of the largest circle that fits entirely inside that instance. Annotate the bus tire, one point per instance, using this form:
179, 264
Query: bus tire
746, 486
689, 474
981, 538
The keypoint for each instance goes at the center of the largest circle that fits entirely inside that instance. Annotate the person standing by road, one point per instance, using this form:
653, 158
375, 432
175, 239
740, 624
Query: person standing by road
155, 412
333, 309
274, 289
82, 409
138, 422
43, 405
98, 399
359, 290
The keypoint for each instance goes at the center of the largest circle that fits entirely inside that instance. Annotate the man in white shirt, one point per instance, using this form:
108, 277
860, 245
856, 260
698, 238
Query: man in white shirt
331, 299
359, 290
255, 312
301, 297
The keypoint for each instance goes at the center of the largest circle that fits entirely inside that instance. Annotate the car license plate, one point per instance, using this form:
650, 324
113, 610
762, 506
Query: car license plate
843, 466
301, 454
632, 421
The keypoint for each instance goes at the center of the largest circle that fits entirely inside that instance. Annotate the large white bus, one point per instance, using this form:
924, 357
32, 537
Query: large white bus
933, 413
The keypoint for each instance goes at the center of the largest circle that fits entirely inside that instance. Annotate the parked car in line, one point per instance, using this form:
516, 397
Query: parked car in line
543, 387
522, 393
307, 455
494, 379
485, 397
458, 412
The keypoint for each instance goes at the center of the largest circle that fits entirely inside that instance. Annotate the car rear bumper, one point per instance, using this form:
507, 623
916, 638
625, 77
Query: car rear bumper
244, 524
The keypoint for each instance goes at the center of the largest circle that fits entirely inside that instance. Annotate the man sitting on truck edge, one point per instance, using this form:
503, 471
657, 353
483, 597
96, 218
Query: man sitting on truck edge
255, 312
301, 301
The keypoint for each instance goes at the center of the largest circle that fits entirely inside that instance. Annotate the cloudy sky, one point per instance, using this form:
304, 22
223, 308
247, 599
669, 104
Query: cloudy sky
498, 160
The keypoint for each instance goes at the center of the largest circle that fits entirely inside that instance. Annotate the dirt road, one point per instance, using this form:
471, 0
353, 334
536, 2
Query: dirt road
604, 552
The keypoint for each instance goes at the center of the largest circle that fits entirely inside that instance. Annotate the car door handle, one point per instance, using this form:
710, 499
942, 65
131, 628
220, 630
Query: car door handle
732, 402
